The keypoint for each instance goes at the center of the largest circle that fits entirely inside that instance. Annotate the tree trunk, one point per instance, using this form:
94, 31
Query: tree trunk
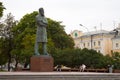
9, 61
16, 64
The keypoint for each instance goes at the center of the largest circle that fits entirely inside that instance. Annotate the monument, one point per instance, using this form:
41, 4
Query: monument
41, 61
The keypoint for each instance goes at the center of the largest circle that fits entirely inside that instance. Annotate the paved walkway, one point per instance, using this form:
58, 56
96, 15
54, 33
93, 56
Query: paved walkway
56, 73
58, 76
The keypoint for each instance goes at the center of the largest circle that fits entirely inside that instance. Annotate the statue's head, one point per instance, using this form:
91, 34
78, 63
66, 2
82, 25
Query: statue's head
41, 11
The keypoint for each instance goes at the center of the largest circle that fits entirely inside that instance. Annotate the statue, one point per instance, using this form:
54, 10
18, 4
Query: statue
41, 34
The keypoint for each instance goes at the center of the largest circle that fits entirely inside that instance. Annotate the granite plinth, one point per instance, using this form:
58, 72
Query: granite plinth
42, 63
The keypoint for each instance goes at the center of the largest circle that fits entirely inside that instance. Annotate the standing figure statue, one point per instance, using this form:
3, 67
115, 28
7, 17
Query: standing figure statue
41, 34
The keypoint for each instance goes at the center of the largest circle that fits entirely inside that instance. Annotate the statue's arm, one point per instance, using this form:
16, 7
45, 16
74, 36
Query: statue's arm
45, 22
42, 22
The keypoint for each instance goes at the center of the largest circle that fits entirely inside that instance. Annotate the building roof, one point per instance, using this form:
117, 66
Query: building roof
96, 32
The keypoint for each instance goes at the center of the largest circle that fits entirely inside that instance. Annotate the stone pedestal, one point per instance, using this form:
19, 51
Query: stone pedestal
42, 63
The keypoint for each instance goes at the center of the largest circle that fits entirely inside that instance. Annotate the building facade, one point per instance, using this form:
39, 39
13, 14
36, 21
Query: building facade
102, 41
116, 44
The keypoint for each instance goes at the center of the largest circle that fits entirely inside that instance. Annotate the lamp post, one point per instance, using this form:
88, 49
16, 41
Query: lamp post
91, 36
84, 27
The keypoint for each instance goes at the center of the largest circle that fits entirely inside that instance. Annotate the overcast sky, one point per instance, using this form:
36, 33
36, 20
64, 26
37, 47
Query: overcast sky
104, 14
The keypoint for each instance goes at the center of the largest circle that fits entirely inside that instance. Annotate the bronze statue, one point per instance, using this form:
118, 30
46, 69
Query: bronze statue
41, 34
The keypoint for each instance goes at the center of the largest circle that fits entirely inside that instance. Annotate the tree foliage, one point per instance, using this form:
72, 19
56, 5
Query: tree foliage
24, 38
3, 56
25, 35
77, 57
116, 60
58, 35
7, 37
1, 9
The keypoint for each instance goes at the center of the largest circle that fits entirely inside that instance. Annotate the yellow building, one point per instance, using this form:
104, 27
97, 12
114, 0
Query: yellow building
116, 42
97, 40
75, 35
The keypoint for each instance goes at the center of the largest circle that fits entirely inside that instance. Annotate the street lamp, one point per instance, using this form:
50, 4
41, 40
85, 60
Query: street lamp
84, 27
91, 36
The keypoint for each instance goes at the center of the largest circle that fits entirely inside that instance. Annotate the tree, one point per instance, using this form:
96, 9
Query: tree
25, 33
107, 60
3, 57
1, 9
7, 37
116, 60
77, 57
58, 35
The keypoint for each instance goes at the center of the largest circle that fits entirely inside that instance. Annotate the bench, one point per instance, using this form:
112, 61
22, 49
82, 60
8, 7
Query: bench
86, 70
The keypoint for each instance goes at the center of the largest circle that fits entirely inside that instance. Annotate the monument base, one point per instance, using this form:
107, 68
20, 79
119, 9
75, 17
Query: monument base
42, 63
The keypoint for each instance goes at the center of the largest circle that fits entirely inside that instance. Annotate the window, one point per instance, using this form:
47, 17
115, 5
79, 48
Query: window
99, 43
76, 34
84, 44
94, 43
88, 44
117, 45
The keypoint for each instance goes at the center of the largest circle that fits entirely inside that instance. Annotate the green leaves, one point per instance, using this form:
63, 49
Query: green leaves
1, 9
7, 38
25, 35
77, 57
116, 60
58, 35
